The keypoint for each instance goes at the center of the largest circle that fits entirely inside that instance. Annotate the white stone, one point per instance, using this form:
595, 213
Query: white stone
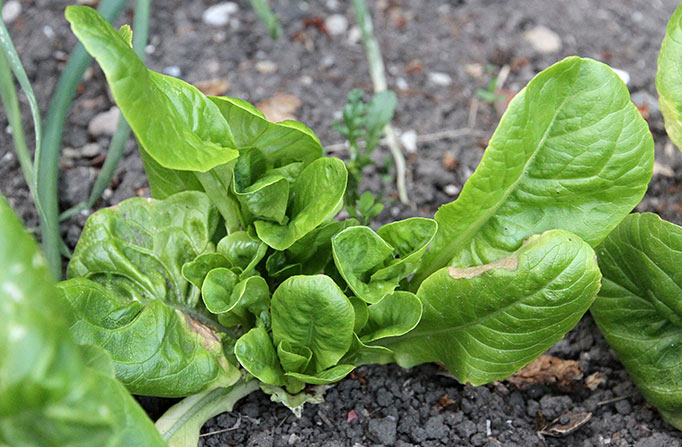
10, 11
104, 123
441, 79
543, 39
401, 84
219, 15
451, 190
354, 35
173, 70
266, 67
90, 150
409, 141
336, 24
49, 32
623, 75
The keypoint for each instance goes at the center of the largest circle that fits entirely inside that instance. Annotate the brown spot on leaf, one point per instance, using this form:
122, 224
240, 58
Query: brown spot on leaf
208, 337
472, 272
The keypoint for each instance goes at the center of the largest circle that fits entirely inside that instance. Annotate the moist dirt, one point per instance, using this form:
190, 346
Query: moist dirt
437, 54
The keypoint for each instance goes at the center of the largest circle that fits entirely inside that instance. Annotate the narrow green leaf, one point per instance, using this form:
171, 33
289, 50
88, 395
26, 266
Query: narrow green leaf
190, 135
571, 152
487, 322
669, 78
639, 308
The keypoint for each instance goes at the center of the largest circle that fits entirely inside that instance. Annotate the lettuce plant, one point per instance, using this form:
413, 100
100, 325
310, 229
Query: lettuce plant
639, 308
236, 275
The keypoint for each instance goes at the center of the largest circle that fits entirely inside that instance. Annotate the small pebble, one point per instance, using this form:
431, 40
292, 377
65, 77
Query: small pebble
383, 430
90, 150
336, 24
623, 75
451, 190
219, 15
266, 67
173, 70
440, 79
401, 84
543, 39
10, 11
49, 32
409, 141
104, 124
354, 35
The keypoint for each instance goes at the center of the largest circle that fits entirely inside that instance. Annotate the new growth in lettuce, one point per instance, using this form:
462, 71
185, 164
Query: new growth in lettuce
237, 274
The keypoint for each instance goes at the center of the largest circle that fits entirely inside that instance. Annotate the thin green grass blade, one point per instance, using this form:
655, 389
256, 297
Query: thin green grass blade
47, 160
270, 20
10, 101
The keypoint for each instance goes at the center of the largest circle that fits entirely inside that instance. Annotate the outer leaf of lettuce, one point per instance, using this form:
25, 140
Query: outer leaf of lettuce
157, 350
282, 143
639, 308
317, 195
136, 252
311, 312
669, 78
174, 122
571, 152
49, 396
487, 322
137, 249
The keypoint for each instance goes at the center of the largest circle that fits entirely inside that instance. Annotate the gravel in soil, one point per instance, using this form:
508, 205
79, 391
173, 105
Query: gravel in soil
437, 55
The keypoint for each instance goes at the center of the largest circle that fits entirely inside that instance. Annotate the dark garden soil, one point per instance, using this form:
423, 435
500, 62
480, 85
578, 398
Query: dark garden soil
437, 54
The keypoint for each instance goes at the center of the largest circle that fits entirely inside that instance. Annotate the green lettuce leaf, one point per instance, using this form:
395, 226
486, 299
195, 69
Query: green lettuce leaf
487, 322
311, 312
135, 253
571, 152
669, 78
156, 350
317, 197
178, 127
373, 264
639, 308
281, 143
50, 395
137, 248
